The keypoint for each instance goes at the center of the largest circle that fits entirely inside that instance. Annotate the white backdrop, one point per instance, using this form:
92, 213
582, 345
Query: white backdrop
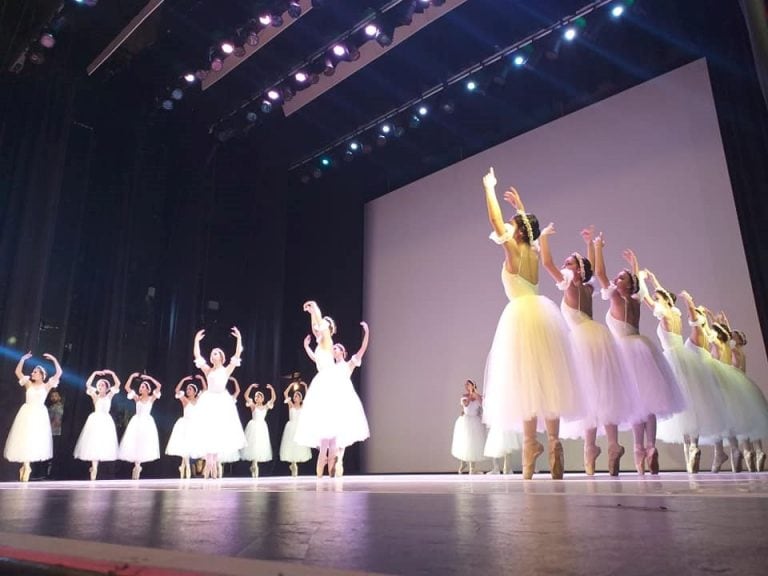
645, 166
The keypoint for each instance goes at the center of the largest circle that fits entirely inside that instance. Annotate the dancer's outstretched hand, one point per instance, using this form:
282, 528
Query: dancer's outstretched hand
548, 230
513, 197
588, 233
235, 332
200, 335
489, 180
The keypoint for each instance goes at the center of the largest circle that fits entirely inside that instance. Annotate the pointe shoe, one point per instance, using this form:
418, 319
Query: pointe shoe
494, 470
188, 473
254, 471
461, 467
136, 473
652, 460
615, 453
736, 461
719, 459
338, 470
750, 460
182, 471
686, 454
93, 472
556, 459
759, 461
21, 473
640, 461
531, 451
590, 458
321, 466
220, 470
694, 460
294, 469
505, 466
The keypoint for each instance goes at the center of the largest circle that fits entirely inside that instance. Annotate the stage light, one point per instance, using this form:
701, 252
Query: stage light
448, 107
569, 34
423, 110
177, 94
294, 9
414, 121
328, 68
519, 60
266, 106
349, 156
398, 131
384, 37
252, 39
265, 19
251, 117
190, 78
386, 128
227, 47
277, 20
354, 146
47, 40
167, 105
438, 2
371, 30
471, 85
217, 64
288, 93
325, 161
339, 50
201, 74
617, 10
353, 54
317, 173
239, 52
273, 94
381, 140
301, 77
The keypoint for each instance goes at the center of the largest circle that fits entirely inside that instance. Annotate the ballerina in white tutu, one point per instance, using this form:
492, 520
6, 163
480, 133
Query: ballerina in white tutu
355, 421
290, 451
140, 442
468, 430
259, 446
322, 420
702, 416
98, 439
654, 384
234, 456
757, 417
30, 439
528, 371
182, 440
221, 431
608, 398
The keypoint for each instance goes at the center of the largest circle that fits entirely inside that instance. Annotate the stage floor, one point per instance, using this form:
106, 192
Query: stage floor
423, 524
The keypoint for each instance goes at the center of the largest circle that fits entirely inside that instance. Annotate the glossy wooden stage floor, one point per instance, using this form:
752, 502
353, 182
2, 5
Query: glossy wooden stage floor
431, 524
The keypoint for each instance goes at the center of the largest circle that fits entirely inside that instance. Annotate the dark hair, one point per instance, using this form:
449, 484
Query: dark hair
635, 288
670, 297
741, 335
519, 221
585, 266
722, 332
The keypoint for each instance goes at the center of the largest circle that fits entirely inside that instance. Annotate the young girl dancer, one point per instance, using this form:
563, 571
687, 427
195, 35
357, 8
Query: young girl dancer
98, 439
259, 447
468, 431
182, 441
598, 367
217, 414
355, 423
30, 439
757, 417
140, 443
290, 451
527, 375
322, 420
702, 415
655, 390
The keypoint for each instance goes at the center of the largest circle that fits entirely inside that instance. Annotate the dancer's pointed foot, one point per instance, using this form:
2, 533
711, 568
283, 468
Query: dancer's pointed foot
759, 461
750, 460
461, 467
294, 469
93, 472
736, 460
640, 460
652, 459
719, 459
556, 459
615, 452
694, 460
531, 451
590, 458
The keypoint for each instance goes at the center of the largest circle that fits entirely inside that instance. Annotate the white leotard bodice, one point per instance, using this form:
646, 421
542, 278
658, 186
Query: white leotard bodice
189, 409
472, 409
669, 340
323, 358
143, 409
36, 394
293, 414
217, 380
516, 286
102, 404
572, 316
619, 327
259, 413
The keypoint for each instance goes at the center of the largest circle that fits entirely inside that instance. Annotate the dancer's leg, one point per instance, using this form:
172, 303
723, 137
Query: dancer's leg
532, 449
591, 450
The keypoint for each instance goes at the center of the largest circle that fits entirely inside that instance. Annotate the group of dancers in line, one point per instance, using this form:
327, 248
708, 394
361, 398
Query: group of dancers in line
548, 367
326, 415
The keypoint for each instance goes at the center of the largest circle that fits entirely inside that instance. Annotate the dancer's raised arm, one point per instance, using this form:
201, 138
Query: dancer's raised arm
308, 347
115, 388
546, 253
600, 273
199, 360
502, 233
272, 396
20, 366
53, 381
364, 345
235, 361
236, 393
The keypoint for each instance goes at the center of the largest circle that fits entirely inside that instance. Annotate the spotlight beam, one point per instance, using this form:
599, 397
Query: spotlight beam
125, 33
369, 52
266, 35
458, 77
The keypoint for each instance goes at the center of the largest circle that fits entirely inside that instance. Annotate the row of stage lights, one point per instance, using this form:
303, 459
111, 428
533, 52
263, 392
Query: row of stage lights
363, 140
324, 63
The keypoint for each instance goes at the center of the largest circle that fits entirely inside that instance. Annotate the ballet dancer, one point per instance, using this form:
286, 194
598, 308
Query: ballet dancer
182, 440
259, 446
290, 451
141, 443
757, 417
98, 439
468, 431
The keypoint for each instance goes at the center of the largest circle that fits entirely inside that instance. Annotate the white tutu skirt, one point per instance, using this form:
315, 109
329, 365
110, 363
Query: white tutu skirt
290, 451
220, 430
29, 439
703, 415
140, 442
608, 395
499, 443
656, 389
733, 407
332, 409
756, 408
98, 439
182, 441
258, 446
468, 438
527, 373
